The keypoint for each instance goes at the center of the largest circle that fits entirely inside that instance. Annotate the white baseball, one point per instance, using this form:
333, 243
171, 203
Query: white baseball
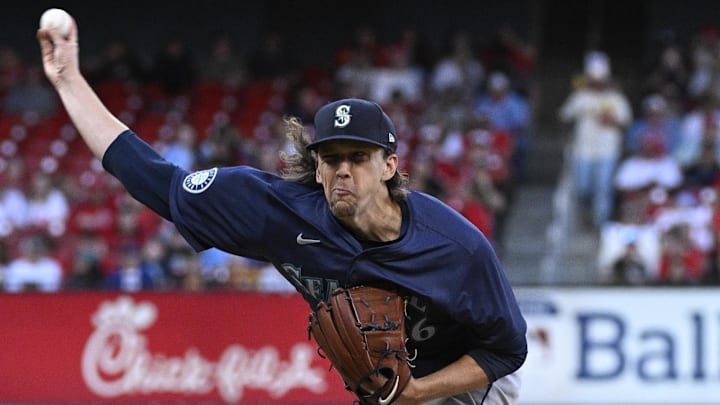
57, 18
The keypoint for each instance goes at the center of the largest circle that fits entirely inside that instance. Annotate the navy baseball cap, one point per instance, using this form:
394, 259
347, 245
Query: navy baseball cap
356, 120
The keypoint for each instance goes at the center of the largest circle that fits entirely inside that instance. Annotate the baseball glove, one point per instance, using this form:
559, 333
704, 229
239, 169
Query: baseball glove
361, 330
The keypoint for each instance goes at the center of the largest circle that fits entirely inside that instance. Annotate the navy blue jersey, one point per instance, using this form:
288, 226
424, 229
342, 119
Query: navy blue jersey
460, 300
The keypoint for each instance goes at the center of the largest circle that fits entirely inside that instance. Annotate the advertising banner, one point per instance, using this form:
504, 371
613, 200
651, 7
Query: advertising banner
622, 346
161, 348
586, 346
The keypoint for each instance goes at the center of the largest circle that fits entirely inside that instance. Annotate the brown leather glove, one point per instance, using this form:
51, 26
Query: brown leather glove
361, 330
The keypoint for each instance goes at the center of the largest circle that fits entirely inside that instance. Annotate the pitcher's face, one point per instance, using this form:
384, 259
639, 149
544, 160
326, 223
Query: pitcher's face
353, 174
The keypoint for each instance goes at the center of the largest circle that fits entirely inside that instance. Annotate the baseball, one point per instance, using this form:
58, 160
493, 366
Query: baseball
58, 18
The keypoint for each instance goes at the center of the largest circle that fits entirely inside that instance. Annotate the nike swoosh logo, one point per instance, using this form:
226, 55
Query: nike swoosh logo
302, 241
389, 398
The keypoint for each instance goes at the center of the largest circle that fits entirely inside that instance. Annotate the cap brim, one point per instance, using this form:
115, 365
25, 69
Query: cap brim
314, 145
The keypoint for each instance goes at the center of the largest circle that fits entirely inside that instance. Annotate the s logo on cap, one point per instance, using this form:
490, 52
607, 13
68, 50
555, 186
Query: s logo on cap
342, 116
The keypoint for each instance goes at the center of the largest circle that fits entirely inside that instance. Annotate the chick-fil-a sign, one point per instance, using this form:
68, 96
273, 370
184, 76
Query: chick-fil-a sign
224, 348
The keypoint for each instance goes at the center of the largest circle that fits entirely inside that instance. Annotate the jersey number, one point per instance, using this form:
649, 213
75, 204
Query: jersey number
421, 332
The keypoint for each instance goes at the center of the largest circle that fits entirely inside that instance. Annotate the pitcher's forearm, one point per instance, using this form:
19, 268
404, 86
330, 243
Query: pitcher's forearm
97, 126
461, 376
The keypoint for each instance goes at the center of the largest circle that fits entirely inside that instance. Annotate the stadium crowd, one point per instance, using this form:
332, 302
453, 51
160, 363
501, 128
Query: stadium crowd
665, 214
463, 118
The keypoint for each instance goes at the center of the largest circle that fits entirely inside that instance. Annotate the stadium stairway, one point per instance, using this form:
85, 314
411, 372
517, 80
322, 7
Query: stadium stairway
543, 242
543, 245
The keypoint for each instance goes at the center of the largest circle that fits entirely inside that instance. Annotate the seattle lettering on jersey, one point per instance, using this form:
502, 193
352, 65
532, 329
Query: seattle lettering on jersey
317, 286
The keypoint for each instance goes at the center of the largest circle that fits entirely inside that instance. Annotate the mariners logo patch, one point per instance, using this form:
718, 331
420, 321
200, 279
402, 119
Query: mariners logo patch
199, 181
342, 116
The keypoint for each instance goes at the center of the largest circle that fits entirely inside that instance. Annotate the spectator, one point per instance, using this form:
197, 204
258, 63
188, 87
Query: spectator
270, 280
154, 255
91, 210
703, 79
426, 179
462, 200
700, 126
178, 261
703, 171
625, 249
681, 262
34, 269
650, 166
174, 68
244, 273
48, 207
131, 274
134, 223
691, 209
118, 62
222, 146
181, 147
303, 103
630, 268
450, 111
13, 201
657, 121
31, 95
364, 45
225, 64
600, 113
355, 64
640, 174
486, 187
399, 76
460, 71
87, 262
510, 53
668, 75
215, 266
507, 111
192, 279
417, 46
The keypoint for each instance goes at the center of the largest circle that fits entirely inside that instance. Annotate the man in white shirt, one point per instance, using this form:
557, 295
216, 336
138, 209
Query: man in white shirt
33, 270
600, 112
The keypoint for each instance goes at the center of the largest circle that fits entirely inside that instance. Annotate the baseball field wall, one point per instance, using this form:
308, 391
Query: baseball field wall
622, 346
586, 346
179, 348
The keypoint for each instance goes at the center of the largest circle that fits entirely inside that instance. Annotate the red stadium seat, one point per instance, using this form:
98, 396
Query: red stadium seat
148, 126
208, 95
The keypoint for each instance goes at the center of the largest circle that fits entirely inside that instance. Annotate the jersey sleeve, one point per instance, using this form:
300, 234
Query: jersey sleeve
224, 208
141, 170
497, 329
